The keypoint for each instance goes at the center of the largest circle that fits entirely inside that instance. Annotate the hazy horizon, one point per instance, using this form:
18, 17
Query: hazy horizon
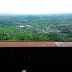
35, 6
31, 14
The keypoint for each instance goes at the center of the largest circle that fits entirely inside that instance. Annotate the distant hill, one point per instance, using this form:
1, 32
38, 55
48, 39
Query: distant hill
49, 14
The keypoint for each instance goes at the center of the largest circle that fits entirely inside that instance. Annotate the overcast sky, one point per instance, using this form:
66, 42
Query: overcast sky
36, 6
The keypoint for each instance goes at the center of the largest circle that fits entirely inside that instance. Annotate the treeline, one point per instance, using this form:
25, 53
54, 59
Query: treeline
52, 19
28, 37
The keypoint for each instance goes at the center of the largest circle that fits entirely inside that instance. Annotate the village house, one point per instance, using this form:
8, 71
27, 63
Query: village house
43, 30
21, 26
46, 32
28, 26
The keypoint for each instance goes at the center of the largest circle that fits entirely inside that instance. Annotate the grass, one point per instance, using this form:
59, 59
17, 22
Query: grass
58, 25
42, 26
11, 29
32, 33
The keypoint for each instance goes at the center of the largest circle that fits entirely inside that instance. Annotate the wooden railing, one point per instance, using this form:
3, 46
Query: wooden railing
27, 44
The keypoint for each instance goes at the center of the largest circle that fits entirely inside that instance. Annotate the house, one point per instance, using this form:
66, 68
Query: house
21, 26
28, 26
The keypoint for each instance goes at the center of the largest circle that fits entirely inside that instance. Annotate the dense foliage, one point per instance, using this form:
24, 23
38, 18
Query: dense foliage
29, 37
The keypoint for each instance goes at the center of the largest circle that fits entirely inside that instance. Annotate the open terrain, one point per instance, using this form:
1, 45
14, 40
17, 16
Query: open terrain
45, 27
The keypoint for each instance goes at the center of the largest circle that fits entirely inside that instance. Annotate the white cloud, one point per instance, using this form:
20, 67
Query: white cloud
35, 6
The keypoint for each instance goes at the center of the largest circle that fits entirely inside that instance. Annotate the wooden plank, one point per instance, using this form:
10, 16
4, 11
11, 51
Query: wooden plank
27, 44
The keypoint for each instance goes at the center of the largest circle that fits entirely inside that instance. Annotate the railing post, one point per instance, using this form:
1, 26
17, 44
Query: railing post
24, 70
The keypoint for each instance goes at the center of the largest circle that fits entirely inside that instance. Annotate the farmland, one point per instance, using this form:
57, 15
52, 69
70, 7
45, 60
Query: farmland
55, 27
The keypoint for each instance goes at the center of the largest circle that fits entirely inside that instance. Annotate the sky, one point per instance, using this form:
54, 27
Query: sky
35, 6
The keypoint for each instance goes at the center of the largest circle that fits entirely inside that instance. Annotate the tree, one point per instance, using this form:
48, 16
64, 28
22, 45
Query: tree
3, 35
